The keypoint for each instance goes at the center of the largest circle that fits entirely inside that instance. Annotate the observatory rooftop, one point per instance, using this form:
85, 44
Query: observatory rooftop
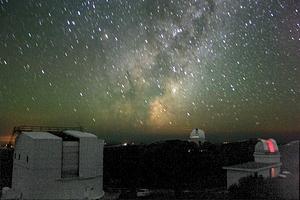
41, 135
79, 134
252, 166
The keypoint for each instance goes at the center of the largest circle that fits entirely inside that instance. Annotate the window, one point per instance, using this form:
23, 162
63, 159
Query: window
19, 156
272, 172
27, 159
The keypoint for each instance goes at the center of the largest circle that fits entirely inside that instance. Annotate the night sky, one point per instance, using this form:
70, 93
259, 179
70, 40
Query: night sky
132, 69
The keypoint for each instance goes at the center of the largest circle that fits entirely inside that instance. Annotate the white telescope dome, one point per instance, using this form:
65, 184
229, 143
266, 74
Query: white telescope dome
197, 135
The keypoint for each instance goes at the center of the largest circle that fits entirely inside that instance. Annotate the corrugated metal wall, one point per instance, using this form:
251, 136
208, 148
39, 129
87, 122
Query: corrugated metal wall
70, 159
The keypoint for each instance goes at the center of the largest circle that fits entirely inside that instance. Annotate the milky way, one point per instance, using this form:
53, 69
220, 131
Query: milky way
140, 67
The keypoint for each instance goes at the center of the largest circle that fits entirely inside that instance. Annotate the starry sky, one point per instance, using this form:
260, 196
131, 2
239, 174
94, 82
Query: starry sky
141, 69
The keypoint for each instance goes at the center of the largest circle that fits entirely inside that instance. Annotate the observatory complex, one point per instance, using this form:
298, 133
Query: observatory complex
197, 136
266, 163
56, 164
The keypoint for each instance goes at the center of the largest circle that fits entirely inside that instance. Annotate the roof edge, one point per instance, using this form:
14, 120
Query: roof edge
252, 170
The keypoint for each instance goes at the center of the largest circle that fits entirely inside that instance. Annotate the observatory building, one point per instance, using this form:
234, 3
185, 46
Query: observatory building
266, 163
57, 165
197, 136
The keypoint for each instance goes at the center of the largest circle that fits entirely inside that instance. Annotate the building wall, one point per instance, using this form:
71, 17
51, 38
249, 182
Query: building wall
267, 158
40, 177
67, 188
234, 176
89, 152
265, 173
44, 163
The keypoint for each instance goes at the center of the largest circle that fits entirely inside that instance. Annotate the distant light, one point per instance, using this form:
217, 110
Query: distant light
273, 172
174, 90
125, 144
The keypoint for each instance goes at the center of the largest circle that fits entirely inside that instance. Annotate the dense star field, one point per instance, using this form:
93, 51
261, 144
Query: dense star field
139, 68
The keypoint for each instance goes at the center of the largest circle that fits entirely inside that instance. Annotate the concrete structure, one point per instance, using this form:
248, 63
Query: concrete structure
266, 163
197, 136
64, 165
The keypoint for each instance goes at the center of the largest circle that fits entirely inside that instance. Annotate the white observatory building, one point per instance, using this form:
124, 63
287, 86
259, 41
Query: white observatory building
197, 136
266, 163
56, 165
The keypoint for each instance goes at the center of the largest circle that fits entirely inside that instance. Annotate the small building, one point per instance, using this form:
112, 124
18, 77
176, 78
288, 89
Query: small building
60, 165
266, 163
197, 136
